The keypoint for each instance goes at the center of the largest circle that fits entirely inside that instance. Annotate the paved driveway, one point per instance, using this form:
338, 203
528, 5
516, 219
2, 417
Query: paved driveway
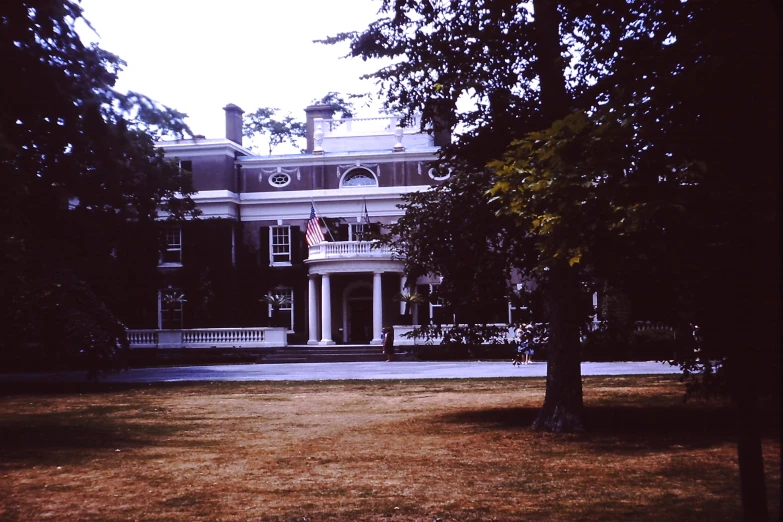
347, 370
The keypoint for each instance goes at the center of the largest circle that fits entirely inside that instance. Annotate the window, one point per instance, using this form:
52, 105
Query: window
171, 251
170, 303
436, 306
280, 245
279, 180
356, 231
363, 231
285, 311
359, 178
440, 175
186, 166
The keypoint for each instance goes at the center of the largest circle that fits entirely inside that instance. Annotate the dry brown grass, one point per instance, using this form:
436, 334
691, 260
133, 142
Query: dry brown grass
414, 450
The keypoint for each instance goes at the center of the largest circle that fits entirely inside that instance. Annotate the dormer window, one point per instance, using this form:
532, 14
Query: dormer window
359, 178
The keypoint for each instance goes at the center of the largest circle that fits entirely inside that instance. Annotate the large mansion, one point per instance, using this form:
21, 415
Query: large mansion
352, 175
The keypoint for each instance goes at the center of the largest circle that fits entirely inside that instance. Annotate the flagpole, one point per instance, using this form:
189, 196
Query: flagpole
312, 202
365, 221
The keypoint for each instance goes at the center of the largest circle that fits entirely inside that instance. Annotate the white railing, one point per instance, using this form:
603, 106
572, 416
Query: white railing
223, 336
641, 326
365, 126
208, 338
142, 338
350, 250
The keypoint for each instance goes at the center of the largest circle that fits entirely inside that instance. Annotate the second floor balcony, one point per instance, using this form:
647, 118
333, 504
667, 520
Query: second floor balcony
352, 256
344, 250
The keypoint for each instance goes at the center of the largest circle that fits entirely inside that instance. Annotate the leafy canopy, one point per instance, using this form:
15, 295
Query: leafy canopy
72, 150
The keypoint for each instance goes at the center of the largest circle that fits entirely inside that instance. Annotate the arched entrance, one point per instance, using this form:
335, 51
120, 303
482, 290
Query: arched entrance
357, 313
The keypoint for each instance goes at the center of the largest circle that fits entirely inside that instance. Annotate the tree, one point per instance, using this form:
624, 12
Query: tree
506, 57
264, 121
72, 151
617, 128
277, 131
452, 232
338, 103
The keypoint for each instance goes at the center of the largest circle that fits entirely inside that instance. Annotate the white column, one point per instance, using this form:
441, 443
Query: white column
377, 308
326, 310
312, 301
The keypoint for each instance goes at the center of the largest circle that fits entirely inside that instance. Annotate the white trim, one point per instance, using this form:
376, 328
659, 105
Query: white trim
279, 174
439, 178
202, 147
351, 172
289, 292
272, 261
171, 246
338, 158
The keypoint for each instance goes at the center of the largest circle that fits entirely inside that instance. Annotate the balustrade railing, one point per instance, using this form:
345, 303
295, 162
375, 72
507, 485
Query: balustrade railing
366, 126
349, 249
208, 338
223, 336
143, 337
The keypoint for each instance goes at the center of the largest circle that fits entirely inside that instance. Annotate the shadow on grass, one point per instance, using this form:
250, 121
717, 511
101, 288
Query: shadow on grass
653, 427
88, 387
42, 438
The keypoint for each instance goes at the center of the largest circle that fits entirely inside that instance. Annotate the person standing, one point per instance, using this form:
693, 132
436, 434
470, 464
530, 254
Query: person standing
528, 350
388, 343
519, 339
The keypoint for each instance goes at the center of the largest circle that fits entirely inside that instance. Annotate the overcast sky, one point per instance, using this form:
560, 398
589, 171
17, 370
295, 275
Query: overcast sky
197, 56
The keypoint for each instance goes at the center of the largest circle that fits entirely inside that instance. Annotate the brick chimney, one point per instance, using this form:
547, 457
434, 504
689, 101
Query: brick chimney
313, 112
234, 123
442, 114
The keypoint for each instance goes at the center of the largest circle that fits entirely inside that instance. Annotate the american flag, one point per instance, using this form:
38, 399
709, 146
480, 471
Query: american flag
314, 234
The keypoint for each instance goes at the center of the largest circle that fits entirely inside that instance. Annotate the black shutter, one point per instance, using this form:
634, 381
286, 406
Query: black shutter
263, 247
296, 245
342, 232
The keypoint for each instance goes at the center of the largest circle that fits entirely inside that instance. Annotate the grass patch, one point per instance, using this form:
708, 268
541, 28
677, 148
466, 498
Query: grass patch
376, 451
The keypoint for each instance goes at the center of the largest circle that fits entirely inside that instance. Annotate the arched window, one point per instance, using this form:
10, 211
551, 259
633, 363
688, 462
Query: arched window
359, 178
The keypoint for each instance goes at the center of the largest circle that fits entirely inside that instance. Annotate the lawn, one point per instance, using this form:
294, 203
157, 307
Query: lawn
454, 450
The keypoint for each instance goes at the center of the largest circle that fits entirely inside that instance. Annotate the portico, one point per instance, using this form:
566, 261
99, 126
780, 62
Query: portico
330, 260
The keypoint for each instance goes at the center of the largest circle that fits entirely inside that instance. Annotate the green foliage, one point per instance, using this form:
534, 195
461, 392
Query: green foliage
277, 130
50, 308
277, 301
455, 217
462, 341
620, 139
77, 157
410, 299
343, 108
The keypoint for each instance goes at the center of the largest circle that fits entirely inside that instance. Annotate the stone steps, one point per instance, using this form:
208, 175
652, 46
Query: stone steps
330, 353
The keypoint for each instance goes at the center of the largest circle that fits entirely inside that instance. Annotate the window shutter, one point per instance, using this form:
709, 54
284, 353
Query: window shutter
342, 232
296, 245
263, 248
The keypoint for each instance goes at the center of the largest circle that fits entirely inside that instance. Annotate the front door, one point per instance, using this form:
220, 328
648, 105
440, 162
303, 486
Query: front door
359, 320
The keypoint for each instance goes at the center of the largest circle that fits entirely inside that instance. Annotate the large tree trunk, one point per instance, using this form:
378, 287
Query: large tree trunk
749, 451
563, 409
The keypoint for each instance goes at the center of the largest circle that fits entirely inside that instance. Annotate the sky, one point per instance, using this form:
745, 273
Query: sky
197, 56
